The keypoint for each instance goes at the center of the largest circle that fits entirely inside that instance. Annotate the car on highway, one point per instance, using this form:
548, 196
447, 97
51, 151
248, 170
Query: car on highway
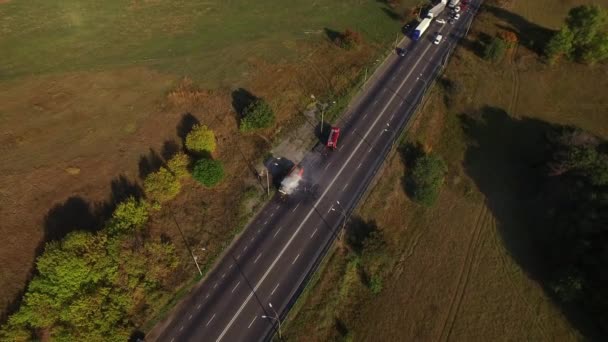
438, 39
441, 21
401, 52
456, 16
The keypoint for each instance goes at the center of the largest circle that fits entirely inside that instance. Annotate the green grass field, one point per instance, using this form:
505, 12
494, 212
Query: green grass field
209, 41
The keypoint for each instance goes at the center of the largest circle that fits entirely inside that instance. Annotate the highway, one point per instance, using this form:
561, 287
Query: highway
277, 252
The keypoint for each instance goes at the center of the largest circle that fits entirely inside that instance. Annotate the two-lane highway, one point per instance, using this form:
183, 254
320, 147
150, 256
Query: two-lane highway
279, 249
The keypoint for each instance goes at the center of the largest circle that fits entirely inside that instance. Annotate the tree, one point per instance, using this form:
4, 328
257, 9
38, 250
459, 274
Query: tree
178, 164
495, 50
509, 37
561, 44
129, 215
257, 115
161, 186
208, 172
350, 39
201, 139
426, 178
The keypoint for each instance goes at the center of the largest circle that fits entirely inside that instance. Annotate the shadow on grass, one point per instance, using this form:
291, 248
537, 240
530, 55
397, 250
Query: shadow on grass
149, 163
241, 99
531, 35
410, 152
478, 45
507, 160
185, 125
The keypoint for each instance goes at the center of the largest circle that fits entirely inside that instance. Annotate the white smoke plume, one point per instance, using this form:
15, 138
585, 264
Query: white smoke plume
290, 183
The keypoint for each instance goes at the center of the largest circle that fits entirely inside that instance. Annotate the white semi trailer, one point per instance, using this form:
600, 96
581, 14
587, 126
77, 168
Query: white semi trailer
421, 28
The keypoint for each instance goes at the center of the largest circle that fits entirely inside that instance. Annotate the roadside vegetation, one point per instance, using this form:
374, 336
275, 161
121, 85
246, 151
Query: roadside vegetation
143, 111
511, 248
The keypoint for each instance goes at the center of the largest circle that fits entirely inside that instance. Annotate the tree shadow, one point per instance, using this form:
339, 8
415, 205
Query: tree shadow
169, 149
531, 35
241, 99
150, 163
333, 35
357, 231
478, 45
507, 159
410, 152
391, 14
185, 125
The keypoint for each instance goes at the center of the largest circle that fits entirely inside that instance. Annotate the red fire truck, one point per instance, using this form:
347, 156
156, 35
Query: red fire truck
332, 141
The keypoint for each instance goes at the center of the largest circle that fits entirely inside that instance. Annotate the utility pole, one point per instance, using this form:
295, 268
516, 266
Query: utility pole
267, 183
186, 243
344, 219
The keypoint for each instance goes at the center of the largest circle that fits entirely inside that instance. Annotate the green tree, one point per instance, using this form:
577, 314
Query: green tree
495, 50
208, 172
201, 139
161, 186
256, 116
129, 215
561, 44
178, 164
426, 178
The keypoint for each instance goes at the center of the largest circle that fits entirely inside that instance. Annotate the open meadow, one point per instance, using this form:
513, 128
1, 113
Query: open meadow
95, 95
467, 269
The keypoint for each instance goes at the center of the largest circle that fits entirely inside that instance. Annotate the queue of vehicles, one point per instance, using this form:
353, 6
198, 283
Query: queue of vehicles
434, 12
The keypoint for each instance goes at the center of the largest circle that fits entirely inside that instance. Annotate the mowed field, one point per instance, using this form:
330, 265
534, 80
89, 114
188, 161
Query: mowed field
86, 106
467, 269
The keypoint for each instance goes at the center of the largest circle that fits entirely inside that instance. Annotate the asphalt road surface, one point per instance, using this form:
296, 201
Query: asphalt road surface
279, 249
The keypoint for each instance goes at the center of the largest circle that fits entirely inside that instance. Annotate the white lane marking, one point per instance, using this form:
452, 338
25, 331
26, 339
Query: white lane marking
327, 167
173, 339
237, 285
376, 101
391, 117
393, 78
252, 238
207, 296
313, 233
294, 260
294, 209
253, 320
275, 288
271, 215
359, 166
370, 149
244, 249
345, 186
198, 306
210, 320
214, 286
266, 221
190, 317
181, 328
278, 230
364, 115
223, 275
238, 256
229, 267
401, 104
256, 259
312, 210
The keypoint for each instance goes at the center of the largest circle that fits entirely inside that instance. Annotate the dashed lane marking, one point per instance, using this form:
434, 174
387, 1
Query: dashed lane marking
190, 317
207, 296
321, 197
235, 286
210, 320
294, 209
229, 267
277, 232
223, 275
256, 259
181, 328
345, 186
214, 286
313, 233
253, 320
296, 259
327, 166
359, 166
198, 306
275, 288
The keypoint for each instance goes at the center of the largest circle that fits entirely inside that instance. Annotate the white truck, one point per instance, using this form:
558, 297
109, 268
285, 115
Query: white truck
421, 28
436, 10
453, 3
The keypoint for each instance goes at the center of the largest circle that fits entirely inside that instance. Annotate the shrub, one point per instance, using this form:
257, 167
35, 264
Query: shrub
161, 186
128, 215
257, 115
201, 139
178, 164
208, 172
561, 44
350, 39
375, 284
509, 37
426, 178
495, 50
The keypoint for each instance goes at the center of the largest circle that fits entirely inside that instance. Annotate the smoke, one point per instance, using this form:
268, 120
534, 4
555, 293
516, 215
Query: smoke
290, 183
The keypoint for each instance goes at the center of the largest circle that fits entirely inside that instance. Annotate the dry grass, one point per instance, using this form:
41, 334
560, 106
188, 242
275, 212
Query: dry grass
454, 276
